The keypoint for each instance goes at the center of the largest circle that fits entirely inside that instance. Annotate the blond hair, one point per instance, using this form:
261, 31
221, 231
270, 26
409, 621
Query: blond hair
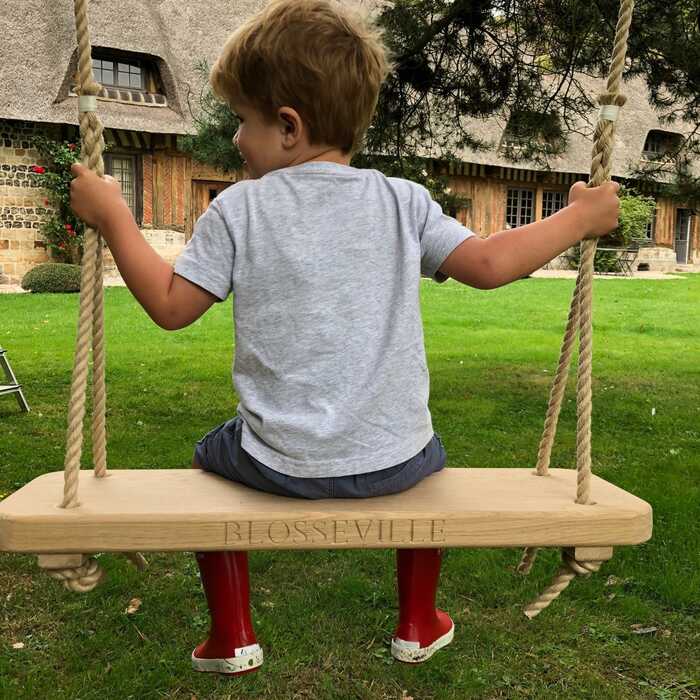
324, 59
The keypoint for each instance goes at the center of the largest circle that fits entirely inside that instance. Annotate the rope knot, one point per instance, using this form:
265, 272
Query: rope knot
581, 568
569, 571
80, 579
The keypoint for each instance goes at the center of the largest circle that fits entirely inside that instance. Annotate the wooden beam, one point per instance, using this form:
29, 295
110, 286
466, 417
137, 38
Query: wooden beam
60, 561
157, 198
593, 553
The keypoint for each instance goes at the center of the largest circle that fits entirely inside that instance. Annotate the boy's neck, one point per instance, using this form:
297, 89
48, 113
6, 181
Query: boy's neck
333, 156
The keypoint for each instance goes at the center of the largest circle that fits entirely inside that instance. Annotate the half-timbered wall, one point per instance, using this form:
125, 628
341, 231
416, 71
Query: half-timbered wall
487, 188
170, 190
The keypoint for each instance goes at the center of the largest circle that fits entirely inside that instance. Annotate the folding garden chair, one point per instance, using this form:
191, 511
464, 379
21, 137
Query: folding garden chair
12, 386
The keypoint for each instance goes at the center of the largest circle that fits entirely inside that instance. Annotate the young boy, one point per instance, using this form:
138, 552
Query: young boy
324, 261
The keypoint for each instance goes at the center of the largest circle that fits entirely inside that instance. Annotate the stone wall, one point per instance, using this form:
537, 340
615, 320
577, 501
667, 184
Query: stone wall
657, 259
168, 244
651, 259
21, 200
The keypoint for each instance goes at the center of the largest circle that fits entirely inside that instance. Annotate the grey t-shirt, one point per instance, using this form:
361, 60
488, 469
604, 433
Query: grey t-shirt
324, 261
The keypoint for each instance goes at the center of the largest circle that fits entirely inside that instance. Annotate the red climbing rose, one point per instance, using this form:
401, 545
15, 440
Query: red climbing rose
38, 169
71, 146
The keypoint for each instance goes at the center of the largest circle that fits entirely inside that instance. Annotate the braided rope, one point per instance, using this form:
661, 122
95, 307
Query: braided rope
600, 173
558, 386
92, 149
569, 571
556, 397
581, 314
90, 326
99, 394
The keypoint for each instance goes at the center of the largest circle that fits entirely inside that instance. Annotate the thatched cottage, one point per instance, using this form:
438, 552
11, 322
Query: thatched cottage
144, 55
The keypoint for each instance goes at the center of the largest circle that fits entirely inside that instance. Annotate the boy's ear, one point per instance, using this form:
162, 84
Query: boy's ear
292, 121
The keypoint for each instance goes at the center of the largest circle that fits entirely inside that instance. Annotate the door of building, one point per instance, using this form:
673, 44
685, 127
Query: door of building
682, 237
203, 192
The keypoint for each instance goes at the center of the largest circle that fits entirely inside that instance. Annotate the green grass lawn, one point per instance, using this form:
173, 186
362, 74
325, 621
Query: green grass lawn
325, 618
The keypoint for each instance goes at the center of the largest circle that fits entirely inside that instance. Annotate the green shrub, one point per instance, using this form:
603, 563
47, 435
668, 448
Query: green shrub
635, 212
52, 277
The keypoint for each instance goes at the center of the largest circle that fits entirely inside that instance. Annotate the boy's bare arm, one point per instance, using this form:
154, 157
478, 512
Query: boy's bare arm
487, 263
170, 300
510, 255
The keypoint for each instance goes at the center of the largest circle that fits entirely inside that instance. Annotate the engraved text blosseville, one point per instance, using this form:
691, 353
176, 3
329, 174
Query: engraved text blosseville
332, 532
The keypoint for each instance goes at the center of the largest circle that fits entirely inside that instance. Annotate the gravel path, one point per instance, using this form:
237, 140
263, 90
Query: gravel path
565, 274
571, 274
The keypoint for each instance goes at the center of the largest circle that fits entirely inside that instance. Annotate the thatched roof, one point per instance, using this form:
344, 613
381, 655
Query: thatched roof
636, 119
40, 58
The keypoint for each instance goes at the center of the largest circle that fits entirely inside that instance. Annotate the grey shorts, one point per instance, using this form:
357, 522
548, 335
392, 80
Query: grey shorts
220, 452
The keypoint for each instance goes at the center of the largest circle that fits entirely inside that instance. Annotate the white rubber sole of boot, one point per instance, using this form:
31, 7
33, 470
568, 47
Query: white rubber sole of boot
245, 659
413, 653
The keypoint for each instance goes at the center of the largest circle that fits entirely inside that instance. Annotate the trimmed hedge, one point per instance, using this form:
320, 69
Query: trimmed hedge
52, 277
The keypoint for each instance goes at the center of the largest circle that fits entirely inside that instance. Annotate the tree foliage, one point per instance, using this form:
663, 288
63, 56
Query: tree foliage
519, 62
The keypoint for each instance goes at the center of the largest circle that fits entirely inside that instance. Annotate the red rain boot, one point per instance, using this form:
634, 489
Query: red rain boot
422, 629
231, 647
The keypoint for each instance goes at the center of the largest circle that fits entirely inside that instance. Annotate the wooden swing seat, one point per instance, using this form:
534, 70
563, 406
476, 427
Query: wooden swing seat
191, 510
